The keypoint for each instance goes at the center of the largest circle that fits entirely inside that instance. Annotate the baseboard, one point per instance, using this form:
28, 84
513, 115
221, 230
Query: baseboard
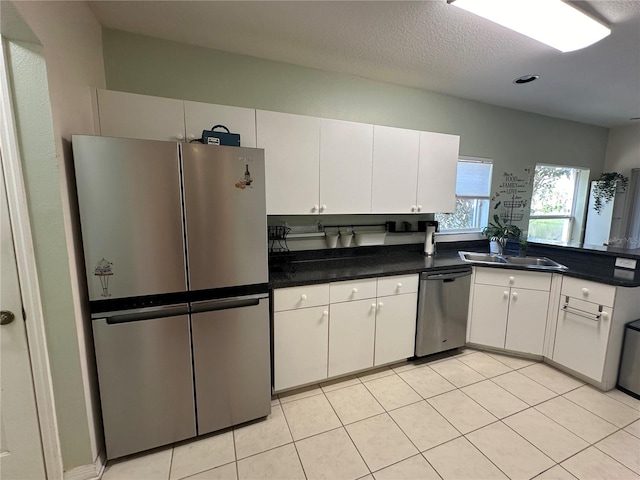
91, 471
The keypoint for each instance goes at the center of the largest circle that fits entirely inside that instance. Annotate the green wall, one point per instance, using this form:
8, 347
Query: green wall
512, 138
40, 168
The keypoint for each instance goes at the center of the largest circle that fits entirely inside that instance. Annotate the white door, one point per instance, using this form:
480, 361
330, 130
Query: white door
395, 170
292, 158
300, 344
351, 333
395, 328
489, 309
20, 444
527, 320
437, 172
346, 156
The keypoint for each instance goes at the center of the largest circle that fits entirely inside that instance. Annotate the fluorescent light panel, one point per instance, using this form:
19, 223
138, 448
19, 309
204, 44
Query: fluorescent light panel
552, 22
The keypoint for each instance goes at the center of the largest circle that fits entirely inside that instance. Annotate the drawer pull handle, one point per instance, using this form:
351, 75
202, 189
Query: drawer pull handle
399, 285
303, 297
355, 290
585, 291
512, 279
580, 313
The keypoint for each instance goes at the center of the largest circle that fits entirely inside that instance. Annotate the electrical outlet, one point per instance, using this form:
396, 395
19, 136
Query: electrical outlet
626, 263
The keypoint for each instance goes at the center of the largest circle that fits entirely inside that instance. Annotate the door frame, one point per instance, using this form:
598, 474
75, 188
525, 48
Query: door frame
28, 274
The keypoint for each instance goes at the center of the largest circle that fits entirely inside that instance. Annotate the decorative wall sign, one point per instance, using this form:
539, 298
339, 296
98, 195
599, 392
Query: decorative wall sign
513, 196
104, 270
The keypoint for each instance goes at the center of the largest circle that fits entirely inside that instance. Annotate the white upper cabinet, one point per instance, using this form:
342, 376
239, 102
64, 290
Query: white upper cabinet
346, 156
140, 116
202, 116
437, 171
395, 170
292, 156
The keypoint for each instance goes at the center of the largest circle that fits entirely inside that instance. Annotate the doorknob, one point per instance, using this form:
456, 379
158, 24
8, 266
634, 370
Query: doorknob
6, 317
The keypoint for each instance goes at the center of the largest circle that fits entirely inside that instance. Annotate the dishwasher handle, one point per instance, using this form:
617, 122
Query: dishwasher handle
447, 276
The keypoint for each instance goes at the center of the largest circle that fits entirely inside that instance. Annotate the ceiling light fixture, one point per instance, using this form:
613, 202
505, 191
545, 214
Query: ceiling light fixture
552, 22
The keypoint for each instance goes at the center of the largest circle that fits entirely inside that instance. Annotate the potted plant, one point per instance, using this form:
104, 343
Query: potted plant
499, 233
605, 188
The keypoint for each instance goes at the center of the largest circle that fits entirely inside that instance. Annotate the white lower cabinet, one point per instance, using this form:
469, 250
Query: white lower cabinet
300, 346
395, 328
589, 328
582, 336
489, 307
351, 336
506, 315
367, 322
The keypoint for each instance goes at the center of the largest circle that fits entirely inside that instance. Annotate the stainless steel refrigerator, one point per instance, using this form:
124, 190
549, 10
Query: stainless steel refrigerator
175, 252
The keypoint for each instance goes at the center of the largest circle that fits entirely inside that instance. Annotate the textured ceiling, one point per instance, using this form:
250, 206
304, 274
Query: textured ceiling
427, 44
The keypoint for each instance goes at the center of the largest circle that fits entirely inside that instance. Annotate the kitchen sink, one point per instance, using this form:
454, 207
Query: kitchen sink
482, 257
542, 263
534, 262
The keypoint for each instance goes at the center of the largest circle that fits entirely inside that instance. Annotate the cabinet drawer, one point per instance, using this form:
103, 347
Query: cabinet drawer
513, 278
397, 285
589, 291
300, 297
352, 290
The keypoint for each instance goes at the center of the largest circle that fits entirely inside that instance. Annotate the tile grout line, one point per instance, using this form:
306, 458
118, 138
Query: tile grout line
344, 427
292, 441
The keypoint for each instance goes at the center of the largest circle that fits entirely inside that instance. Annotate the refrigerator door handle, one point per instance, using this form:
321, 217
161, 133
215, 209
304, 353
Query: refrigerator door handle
225, 304
145, 314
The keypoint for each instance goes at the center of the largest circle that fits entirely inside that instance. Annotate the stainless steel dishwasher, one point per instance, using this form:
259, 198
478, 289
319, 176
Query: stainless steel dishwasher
443, 302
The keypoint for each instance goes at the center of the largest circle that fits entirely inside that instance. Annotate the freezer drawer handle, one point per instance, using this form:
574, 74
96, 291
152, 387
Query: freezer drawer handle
147, 315
224, 305
580, 313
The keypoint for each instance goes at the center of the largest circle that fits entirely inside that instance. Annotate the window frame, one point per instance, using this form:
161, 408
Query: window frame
574, 203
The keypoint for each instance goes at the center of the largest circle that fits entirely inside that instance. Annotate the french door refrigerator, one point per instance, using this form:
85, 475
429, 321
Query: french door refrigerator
175, 252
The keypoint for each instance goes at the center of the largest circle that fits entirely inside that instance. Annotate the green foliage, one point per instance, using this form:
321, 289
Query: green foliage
547, 198
461, 218
605, 188
500, 230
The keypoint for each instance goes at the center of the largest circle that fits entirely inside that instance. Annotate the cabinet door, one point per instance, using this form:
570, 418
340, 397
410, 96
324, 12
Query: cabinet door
581, 338
351, 336
395, 170
489, 309
527, 320
346, 156
292, 155
202, 116
140, 116
395, 328
437, 169
300, 342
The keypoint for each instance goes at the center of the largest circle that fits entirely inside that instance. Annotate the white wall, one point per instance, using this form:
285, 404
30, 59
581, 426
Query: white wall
623, 149
71, 40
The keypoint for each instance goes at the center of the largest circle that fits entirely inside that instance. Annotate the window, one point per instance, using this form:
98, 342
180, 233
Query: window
557, 203
473, 189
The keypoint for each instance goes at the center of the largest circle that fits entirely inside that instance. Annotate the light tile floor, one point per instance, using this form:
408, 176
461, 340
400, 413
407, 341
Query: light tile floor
474, 415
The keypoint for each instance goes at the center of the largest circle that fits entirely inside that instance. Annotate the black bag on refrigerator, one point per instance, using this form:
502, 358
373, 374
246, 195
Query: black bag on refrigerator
211, 137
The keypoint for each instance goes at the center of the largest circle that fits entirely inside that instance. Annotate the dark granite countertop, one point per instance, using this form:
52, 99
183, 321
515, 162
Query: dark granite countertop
306, 268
